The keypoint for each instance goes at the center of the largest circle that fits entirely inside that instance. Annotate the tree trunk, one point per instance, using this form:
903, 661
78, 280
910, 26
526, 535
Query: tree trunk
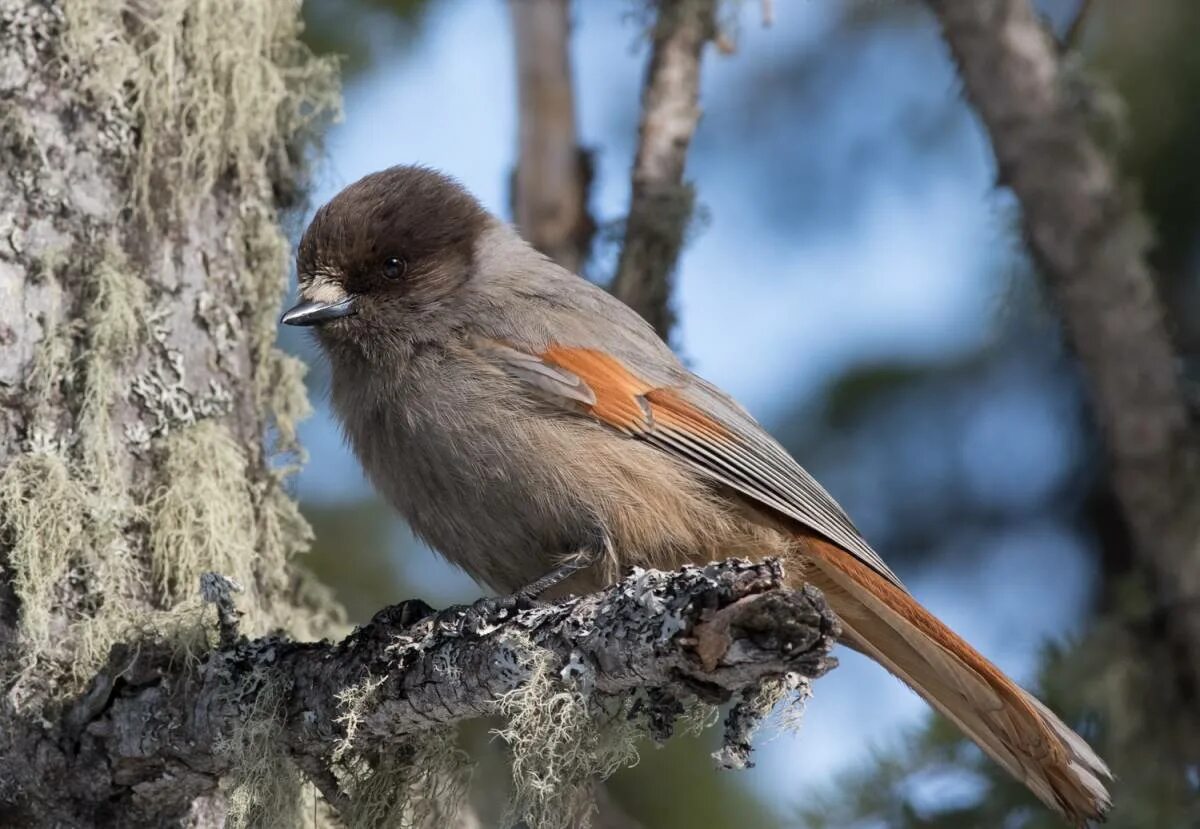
144, 408
1091, 245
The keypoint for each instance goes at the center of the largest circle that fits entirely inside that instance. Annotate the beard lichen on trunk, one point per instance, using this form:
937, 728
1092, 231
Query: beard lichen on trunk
147, 418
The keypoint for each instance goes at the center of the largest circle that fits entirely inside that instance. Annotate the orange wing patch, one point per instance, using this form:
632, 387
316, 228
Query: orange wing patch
627, 402
617, 391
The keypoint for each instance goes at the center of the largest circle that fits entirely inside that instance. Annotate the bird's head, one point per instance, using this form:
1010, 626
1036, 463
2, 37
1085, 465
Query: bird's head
385, 254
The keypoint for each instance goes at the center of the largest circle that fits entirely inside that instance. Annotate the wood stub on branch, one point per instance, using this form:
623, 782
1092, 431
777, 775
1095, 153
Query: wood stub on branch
1090, 244
553, 175
151, 735
661, 203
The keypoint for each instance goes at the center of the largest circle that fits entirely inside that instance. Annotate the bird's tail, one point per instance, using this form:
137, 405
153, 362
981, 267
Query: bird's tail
1016, 730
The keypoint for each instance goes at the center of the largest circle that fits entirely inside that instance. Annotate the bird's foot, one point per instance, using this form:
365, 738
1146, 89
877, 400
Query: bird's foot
483, 615
579, 560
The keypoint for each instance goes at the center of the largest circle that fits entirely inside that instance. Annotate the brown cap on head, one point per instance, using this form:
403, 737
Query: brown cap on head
406, 234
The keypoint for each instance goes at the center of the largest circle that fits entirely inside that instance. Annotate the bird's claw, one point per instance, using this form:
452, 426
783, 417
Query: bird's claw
483, 615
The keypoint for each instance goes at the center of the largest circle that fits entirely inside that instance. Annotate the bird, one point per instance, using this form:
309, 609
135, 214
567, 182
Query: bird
540, 435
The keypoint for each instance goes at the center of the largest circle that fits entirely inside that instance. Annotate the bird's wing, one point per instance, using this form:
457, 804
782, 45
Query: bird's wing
696, 423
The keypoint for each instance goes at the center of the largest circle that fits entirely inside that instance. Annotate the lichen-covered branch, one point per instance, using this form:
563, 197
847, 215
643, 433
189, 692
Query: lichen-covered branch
1090, 244
553, 173
661, 204
153, 733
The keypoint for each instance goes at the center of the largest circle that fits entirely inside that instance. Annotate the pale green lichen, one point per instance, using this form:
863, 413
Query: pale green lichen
420, 783
279, 378
72, 515
115, 307
51, 373
775, 702
75, 477
27, 170
114, 583
286, 398
48, 262
216, 90
51, 370
562, 741
420, 786
43, 511
784, 699
211, 516
265, 790
697, 718
196, 101
353, 702
114, 320
202, 519
309, 610
283, 531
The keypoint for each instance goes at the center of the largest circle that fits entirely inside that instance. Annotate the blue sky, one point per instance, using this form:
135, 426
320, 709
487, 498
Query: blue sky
769, 314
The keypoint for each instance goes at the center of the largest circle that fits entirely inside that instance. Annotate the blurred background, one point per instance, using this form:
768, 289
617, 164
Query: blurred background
855, 278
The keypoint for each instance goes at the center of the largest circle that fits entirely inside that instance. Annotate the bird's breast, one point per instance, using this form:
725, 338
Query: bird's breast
504, 485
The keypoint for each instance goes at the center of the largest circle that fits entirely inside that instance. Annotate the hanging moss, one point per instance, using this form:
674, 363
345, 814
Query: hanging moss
419, 785
218, 92
202, 518
192, 99
42, 509
265, 790
562, 741
51, 375
114, 322
278, 377
422, 786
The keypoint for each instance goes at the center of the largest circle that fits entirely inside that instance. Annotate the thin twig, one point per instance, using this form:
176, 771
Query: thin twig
553, 175
768, 12
661, 203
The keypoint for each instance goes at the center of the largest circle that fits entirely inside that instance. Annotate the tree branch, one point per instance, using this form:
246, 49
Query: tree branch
147, 738
1090, 243
661, 204
553, 174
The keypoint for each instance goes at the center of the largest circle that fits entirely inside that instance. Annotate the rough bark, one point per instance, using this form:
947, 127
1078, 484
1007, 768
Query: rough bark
1090, 244
715, 632
144, 409
554, 174
661, 204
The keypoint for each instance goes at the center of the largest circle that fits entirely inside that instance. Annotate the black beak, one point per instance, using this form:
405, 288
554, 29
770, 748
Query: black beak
315, 313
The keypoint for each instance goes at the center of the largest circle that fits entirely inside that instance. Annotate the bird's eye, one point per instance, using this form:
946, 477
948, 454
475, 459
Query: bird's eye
394, 267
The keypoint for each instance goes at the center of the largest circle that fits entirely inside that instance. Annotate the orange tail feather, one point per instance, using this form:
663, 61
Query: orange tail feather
1009, 724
